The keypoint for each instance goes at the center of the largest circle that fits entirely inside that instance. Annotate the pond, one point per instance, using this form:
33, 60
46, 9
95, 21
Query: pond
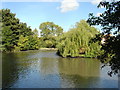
45, 69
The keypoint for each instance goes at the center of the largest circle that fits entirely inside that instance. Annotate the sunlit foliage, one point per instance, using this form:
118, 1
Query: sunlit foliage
49, 34
15, 34
75, 42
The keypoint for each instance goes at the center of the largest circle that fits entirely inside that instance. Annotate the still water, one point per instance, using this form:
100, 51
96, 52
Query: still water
44, 69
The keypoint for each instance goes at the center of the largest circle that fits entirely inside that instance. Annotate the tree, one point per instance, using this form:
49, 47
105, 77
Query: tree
12, 29
75, 42
9, 32
49, 33
109, 20
49, 28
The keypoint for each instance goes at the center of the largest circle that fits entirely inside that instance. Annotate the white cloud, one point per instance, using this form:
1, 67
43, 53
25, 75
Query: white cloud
98, 14
68, 5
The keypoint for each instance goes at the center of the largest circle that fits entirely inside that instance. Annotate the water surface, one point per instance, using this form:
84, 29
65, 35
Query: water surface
44, 69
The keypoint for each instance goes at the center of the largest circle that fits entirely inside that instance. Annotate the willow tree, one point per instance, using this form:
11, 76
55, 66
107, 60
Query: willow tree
75, 42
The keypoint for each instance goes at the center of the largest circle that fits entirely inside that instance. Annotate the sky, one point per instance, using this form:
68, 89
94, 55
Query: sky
64, 13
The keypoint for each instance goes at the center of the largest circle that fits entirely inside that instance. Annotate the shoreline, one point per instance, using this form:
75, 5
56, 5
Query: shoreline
48, 49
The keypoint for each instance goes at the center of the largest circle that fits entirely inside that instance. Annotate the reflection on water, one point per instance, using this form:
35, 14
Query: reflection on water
79, 72
44, 69
82, 67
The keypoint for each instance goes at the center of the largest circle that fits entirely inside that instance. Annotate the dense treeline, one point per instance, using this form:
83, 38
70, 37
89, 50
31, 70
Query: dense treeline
17, 36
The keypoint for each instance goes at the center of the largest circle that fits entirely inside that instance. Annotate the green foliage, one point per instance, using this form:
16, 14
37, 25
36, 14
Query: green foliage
7, 39
48, 42
93, 50
109, 20
28, 43
49, 34
33, 43
50, 29
15, 34
23, 43
76, 41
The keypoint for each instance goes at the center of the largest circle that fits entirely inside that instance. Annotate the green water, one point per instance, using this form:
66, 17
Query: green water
44, 69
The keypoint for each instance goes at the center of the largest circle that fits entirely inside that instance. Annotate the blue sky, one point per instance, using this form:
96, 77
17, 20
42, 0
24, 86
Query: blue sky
35, 13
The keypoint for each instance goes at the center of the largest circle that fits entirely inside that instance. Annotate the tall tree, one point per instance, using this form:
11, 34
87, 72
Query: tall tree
50, 29
12, 29
9, 29
49, 33
109, 20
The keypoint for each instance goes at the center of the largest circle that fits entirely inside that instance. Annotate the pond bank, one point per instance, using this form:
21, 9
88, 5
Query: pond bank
31, 50
48, 49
